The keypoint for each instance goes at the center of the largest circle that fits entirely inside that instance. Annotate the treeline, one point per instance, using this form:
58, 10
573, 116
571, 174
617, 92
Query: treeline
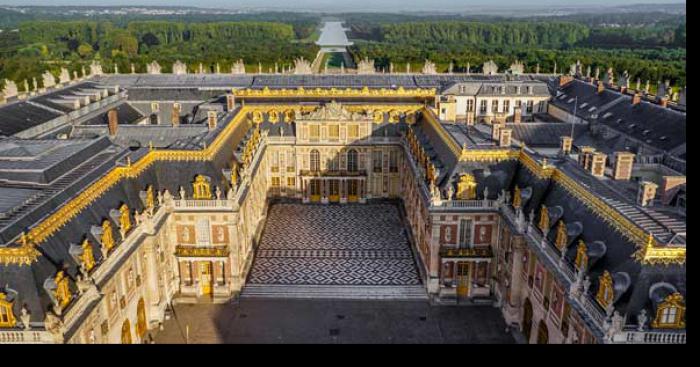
549, 34
41, 45
644, 64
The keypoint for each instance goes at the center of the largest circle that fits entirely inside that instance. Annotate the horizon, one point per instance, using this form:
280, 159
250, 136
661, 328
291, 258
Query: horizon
400, 6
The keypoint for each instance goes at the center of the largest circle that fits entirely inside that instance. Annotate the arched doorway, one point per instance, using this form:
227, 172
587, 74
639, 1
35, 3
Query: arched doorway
126, 332
527, 319
542, 333
141, 326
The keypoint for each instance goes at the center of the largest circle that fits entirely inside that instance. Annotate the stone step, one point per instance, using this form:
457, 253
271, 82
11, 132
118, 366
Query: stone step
357, 292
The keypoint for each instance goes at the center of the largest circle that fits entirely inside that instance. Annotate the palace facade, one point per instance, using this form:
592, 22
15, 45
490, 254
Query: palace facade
123, 194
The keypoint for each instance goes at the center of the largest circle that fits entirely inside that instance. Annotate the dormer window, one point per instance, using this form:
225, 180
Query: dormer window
7, 318
581, 256
605, 290
670, 312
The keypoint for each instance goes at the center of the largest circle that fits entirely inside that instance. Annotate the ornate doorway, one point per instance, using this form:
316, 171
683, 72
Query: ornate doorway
205, 275
352, 191
527, 319
315, 187
542, 333
463, 280
334, 191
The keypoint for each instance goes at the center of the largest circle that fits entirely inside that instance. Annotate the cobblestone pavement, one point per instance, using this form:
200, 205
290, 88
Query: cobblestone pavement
327, 321
334, 245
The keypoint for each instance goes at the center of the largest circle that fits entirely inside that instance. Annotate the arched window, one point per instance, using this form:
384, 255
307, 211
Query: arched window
352, 160
126, 332
542, 333
315, 161
141, 326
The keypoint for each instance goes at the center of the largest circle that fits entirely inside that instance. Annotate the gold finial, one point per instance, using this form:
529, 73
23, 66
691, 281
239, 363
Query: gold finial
24, 239
517, 200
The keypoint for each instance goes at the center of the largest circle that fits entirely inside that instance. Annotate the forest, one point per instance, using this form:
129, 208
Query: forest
648, 45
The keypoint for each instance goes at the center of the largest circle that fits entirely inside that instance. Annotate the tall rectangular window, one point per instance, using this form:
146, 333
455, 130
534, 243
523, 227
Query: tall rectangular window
465, 233
353, 131
313, 132
529, 106
203, 230
333, 132
470, 105
482, 106
494, 106
377, 161
393, 161
506, 105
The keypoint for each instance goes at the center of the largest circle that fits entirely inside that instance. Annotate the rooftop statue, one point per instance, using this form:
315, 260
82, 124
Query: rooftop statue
490, 68
238, 67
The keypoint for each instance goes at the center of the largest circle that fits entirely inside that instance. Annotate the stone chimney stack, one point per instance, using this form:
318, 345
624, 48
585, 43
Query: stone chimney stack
624, 161
565, 79
112, 122
517, 115
211, 119
585, 157
230, 102
636, 98
646, 193
601, 87
598, 164
504, 137
663, 102
175, 116
566, 143
495, 127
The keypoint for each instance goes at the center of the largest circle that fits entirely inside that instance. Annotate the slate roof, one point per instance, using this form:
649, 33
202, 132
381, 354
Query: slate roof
126, 115
544, 134
17, 117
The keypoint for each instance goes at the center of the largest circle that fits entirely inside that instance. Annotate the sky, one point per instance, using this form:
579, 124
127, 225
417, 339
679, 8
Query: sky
404, 5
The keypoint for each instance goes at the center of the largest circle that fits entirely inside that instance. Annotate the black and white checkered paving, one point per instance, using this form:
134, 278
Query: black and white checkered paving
334, 245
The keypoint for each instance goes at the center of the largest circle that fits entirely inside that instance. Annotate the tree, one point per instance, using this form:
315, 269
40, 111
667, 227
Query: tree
85, 50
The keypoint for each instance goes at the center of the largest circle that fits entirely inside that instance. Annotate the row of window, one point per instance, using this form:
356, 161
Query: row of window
497, 106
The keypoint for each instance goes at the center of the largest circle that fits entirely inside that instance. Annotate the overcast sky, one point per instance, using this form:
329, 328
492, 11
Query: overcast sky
402, 5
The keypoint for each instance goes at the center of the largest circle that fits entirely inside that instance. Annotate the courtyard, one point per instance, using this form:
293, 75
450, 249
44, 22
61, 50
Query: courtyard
344, 245
276, 321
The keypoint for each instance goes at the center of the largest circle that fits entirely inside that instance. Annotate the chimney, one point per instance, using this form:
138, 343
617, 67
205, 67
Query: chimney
584, 157
517, 115
211, 119
230, 102
636, 98
601, 87
504, 137
646, 193
112, 122
624, 161
598, 164
566, 145
663, 102
565, 79
175, 115
494, 131
669, 187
